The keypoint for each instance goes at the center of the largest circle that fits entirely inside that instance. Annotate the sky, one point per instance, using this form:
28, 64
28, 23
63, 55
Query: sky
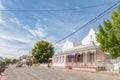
19, 31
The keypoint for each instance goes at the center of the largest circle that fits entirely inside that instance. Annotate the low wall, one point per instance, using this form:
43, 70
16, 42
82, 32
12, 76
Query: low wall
43, 65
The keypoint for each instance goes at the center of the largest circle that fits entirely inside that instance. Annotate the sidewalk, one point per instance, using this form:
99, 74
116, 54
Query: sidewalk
2, 77
106, 73
112, 73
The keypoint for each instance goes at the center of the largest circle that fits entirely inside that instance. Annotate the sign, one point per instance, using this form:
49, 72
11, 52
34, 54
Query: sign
70, 56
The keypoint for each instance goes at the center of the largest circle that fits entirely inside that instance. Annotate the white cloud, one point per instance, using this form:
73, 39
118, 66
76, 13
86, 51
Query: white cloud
38, 32
8, 49
1, 6
51, 39
57, 46
1, 19
12, 53
15, 20
2, 22
10, 35
11, 38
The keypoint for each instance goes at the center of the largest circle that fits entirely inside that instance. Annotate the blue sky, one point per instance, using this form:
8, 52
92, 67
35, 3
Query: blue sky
20, 30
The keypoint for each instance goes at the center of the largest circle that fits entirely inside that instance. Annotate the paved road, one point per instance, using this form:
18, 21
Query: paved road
32, 73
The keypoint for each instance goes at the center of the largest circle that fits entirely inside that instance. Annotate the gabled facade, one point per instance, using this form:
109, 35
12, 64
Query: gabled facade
68, 45
85, 56
89, 38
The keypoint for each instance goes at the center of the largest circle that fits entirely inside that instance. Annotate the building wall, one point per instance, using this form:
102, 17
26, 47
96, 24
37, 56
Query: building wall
97, 61
1, 59
100, 59
68, 45
100, 55
112, 64
107, 61
90, 37
59, 60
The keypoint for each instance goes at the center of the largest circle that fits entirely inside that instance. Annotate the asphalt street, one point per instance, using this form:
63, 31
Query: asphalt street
35, 73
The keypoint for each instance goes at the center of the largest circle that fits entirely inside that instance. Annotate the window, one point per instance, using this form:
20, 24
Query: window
63, 59
91, 57
81, 58
60, 60
78, 58
54, 60
57, 59
69, 58
75, 58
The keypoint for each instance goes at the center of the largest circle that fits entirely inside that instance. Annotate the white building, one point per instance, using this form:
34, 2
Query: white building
84, 55
1, 59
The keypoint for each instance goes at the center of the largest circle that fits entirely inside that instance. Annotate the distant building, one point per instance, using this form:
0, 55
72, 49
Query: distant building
1, 59
27, 59
84, 55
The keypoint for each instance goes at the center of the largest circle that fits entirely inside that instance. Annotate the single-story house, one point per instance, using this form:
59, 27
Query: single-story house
84, 55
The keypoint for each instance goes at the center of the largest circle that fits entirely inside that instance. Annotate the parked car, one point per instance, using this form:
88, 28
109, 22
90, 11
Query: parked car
2, 66
19, 64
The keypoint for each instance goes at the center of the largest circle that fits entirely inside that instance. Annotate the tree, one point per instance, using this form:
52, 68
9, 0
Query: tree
42, 51
8, 60
109, 35
35, 60
20, 59
24, 56
14, 61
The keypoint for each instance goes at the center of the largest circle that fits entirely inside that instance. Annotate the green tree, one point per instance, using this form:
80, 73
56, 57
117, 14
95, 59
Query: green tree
109, 35
14, 61
42, 51
8, 60
24, 56
20, 59
35, 60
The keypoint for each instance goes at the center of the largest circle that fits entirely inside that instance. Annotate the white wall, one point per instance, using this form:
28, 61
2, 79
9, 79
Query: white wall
90, 37
112, 64
44, 65
59, 60
68, 45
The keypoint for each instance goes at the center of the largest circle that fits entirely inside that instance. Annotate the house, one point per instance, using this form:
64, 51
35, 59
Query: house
84, 55
1, 59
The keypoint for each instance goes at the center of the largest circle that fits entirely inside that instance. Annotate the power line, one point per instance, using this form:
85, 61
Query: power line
49, 10
89, 22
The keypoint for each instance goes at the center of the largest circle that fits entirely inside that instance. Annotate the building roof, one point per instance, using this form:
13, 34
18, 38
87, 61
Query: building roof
88, 42
77, 44
79, 49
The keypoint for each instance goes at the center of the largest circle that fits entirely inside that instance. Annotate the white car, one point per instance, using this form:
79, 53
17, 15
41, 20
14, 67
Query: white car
19, 64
